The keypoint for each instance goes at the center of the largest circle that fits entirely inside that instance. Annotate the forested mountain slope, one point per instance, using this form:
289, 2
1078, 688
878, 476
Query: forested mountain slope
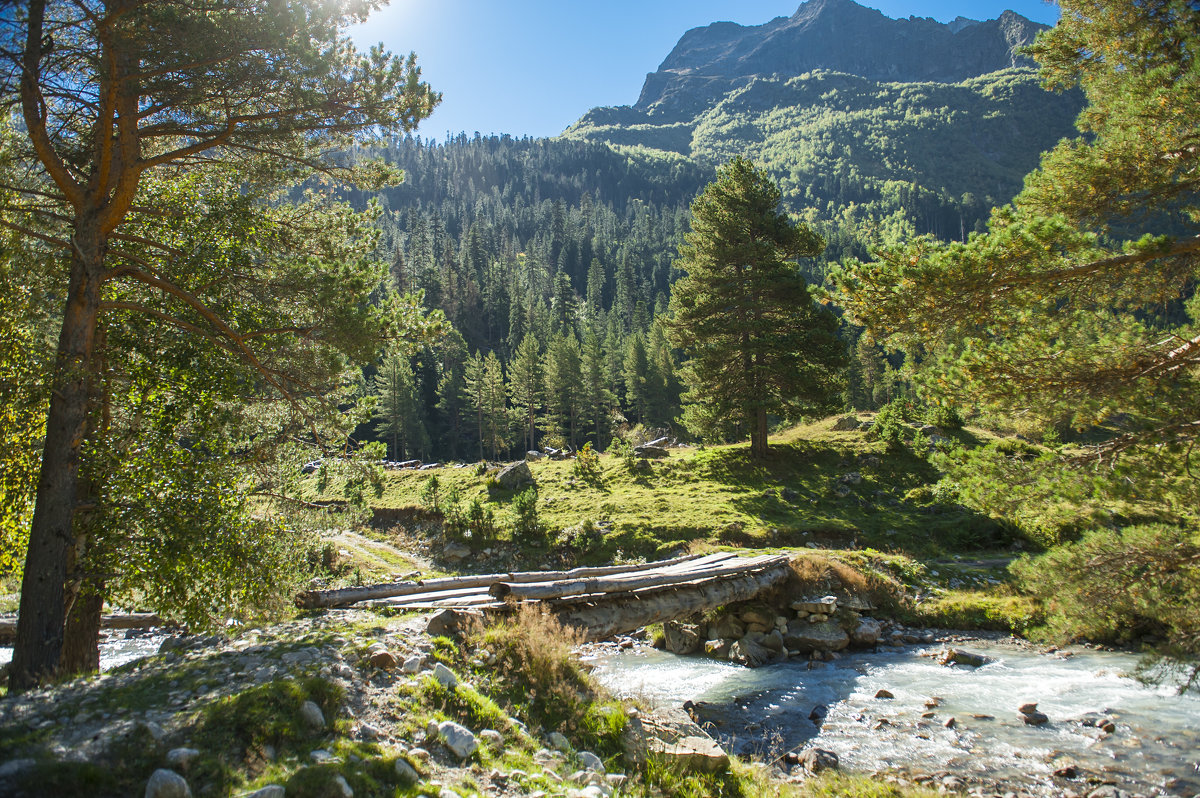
858, 115
870, 125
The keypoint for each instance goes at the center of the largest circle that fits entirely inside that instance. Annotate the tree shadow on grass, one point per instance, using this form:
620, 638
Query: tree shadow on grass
806, 493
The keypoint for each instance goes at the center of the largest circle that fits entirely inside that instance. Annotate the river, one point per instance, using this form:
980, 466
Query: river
767, 711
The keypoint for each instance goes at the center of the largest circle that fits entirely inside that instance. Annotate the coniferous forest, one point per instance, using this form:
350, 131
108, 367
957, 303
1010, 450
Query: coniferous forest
339, 460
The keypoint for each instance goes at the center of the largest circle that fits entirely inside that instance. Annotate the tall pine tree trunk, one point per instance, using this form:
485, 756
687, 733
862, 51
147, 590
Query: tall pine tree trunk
758, 436
40, 627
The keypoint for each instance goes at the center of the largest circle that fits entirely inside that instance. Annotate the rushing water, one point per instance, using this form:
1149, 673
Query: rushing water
117, 646
767, 711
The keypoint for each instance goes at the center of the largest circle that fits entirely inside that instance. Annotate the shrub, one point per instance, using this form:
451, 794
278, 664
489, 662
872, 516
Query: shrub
946, 417
554, 691
1141, 583
526, 525
431, 493
481, 521
889, 425
621, 449
587, 464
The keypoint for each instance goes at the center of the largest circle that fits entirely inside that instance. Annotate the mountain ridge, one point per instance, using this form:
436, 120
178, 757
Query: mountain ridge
836, 35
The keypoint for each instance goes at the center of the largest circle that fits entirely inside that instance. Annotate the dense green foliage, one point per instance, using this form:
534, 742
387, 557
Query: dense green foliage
1138, 585
195, 303
1077, 311
755, 342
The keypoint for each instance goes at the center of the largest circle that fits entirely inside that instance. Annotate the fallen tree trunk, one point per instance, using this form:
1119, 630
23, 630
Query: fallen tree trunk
344, 597
626, 583
124, 620
618, 615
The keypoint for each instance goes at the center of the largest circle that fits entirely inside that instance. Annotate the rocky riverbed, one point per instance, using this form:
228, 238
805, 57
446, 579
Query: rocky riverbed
912, 715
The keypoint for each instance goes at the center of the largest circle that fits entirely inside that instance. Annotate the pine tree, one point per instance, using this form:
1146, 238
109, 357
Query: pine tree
636, 373
526, 386
597, 398
757, 343
123, 101
564, 387
475, 385
399, 415
494, 406
1080, 300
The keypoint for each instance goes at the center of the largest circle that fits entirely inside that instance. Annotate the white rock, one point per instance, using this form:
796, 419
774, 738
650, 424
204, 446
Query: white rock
312, 715
558, 741
321, 756
181, 758
270, 791
445, 676
339, 782
493, 738
591, 761
458, 739
407, 773
412, 664
167, 784
419, 754
156, 731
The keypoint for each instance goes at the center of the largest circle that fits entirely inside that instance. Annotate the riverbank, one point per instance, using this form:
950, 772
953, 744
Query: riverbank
345, 703
902, 717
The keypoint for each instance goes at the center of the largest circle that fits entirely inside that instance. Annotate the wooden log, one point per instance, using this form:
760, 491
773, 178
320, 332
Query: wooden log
344, 597
626, 582
614, 616
123, 620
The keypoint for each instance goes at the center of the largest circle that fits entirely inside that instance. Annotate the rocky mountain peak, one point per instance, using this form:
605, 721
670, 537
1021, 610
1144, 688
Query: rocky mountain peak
837, 35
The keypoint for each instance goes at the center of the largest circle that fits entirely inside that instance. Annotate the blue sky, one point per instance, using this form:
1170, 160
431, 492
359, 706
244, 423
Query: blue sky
532, 67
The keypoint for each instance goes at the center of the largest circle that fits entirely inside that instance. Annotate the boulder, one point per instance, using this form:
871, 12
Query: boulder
718, 648
515, 476
749, 652
956, 656
406, 773
458, 739
591, 762
492, 739
884, 694
384, 660
456, 551
165, 783
312, 715
182, 758
673, 738
727, 626
824, 636
847, 424
773, 642
532, 456
449, 623
682, 638
816, 760
1029, 713
867, 633
651, 452
444, 676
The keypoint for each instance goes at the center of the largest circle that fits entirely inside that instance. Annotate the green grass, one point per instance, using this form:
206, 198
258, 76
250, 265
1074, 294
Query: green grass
803, 493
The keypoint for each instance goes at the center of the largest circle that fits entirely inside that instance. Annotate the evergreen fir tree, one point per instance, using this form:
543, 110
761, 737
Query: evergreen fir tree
758, 344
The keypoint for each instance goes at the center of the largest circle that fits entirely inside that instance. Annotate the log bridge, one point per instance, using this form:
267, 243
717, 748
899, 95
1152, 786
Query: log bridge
601, 602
